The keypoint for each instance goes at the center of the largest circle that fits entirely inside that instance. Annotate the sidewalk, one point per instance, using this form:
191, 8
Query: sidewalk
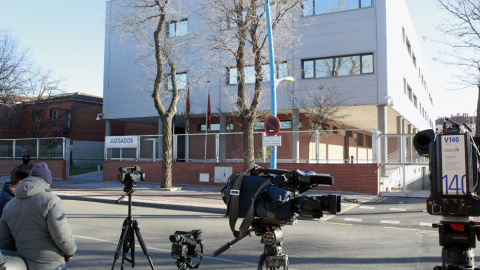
90, 187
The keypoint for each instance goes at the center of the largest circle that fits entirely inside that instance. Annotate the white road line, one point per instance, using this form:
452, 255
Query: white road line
165, 250
353, 219
367, 207
398, 209
389, 222
425, 224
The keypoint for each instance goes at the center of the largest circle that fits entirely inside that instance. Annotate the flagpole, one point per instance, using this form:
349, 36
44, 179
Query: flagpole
206, 118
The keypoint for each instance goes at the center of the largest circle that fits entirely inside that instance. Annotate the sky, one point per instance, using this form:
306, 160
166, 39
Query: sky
68, 37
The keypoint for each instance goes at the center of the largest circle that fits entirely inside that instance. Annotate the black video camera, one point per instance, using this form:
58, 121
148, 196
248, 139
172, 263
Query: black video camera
130, 179
453, 168
186, 245
272, 195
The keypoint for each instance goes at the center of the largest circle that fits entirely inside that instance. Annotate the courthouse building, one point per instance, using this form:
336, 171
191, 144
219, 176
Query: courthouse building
383, 79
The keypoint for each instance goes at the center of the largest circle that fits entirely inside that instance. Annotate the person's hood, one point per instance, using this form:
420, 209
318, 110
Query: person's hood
30, 186
41, 170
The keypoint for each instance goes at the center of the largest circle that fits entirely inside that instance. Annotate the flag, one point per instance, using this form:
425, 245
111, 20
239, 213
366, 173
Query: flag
187, 105
208, 114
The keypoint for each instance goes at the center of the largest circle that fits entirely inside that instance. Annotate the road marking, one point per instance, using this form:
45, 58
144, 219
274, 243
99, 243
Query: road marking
346, 224
367, 207
398, 209
167, 251
353, 219
397, 228
389, 222
425, 224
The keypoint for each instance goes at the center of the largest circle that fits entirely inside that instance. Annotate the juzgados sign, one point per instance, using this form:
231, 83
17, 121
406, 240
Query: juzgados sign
121, 141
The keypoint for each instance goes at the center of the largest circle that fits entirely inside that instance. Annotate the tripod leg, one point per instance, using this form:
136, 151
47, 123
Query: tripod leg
142, 243
121, 243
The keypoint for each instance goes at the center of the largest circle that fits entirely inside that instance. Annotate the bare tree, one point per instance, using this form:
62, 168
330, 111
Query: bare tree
238, 28
160, 32
14, 70
463, 27
38, 92
323, 107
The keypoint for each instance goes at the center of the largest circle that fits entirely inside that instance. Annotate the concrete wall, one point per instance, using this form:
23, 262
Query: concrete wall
361, 178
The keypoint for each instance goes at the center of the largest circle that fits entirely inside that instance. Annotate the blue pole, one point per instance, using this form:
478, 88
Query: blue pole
273, 92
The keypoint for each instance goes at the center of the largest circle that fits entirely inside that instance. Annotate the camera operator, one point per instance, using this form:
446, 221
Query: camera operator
34, 223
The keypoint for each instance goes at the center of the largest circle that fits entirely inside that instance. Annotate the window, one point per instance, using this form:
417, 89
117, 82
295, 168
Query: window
181, 79
232, 19
338, 66
358, 139
282, 72
415, 101
216, 127
409, 47
177, 28
315, 7
54, 114
414, 59
36, 115
409, 92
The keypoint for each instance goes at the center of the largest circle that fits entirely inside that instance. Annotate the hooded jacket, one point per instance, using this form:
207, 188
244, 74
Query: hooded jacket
34, 224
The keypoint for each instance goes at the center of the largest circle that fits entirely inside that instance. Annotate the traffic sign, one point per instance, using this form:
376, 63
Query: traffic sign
272, 126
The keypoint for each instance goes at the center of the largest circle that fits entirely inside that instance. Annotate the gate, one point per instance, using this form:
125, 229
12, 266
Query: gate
402, 171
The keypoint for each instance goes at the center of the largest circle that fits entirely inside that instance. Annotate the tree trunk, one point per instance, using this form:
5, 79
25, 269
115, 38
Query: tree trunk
248, 142
166, 181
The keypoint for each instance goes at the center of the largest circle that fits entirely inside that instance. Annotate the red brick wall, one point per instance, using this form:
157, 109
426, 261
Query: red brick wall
58, 167
360, 178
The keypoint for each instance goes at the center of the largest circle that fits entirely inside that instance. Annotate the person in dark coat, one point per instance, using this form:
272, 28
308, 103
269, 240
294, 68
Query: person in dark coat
35, 225
26, 158
8, 191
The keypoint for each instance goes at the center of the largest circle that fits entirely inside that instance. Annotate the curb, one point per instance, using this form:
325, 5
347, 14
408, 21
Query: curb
159, 205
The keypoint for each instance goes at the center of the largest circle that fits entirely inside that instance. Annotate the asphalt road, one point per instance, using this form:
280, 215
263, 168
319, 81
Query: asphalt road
386, 233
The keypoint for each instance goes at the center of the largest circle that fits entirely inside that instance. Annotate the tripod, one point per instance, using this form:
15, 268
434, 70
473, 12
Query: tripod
457, 237
127, 237
272, 257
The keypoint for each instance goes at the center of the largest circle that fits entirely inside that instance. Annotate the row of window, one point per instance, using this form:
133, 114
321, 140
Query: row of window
281, 72
414, 60
338, 66
411, 95
310, 7
311, 68
284, 124
316, 7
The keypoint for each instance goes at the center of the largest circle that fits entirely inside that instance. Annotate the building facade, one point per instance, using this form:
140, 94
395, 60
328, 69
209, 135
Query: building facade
367, 50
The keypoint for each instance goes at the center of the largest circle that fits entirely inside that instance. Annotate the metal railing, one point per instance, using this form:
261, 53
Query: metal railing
314, 146
37, 148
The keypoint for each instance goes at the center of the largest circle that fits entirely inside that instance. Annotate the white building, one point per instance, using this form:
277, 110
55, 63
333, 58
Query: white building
390, 90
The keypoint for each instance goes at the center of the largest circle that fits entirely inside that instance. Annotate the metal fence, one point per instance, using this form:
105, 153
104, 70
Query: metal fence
402, 170
326, 146
37, 148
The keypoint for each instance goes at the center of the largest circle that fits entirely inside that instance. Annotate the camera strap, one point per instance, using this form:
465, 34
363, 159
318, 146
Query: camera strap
235, 202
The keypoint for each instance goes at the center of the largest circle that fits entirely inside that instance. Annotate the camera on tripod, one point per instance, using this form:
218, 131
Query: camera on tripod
186, 245
453, 164
132, 178
453, 170
268, 199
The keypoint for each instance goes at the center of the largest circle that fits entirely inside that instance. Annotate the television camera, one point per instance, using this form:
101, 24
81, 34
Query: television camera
186, 245
268, 199
453, 164
132, 178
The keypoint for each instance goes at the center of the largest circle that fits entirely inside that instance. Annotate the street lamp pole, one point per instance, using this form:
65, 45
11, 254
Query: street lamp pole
273, 92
